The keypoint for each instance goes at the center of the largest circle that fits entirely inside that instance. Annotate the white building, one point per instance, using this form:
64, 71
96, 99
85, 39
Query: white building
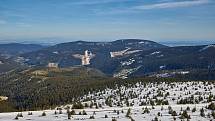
53, 65
3, 98
86, 58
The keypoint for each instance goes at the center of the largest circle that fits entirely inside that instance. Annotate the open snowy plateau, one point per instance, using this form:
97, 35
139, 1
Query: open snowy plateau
147, 102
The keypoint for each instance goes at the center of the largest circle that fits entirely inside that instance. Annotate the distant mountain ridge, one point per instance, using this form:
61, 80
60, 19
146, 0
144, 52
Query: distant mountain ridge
130, 56
17, 48
124, 58
7, 64
8, 52
63, 53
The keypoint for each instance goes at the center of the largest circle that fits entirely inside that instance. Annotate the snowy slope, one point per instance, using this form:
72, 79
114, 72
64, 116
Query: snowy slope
132, 97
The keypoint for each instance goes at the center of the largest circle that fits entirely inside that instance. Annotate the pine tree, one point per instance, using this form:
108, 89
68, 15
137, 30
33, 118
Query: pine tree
69, 115
113, 119
194, 109
30, 113
73, 112
174, 113
20, 115
43, 114
211, 106
17, 117
128, 113
92, 117
185, 115
146, 110
60, 111
213, 114
202, 112
84, 112
55, 112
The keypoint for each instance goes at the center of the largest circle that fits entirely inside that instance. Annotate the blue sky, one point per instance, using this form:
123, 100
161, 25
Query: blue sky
105, 20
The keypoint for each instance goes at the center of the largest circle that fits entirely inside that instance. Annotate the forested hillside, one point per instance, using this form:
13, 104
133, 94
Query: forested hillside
44, 88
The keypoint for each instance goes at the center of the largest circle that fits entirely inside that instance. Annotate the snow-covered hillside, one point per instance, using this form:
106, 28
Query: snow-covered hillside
165, 101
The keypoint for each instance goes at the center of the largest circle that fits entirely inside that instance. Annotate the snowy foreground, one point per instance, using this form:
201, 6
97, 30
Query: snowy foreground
191, 101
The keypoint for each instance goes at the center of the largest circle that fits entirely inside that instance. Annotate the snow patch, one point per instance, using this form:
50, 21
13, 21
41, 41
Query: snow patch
206, 47
127, 63
1, 62
170, 74
142, 42
160, 56
124, 73
56, 52
162, 67
20, 59
123, 52
156, 52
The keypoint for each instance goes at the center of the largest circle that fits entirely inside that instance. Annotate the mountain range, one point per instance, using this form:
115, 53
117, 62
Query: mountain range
28, 71
121, 58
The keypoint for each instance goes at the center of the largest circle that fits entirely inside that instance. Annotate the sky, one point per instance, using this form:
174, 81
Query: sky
105, 20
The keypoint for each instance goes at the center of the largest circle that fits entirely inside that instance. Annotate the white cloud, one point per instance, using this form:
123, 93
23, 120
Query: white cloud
94, 2
163, 4
171, 4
